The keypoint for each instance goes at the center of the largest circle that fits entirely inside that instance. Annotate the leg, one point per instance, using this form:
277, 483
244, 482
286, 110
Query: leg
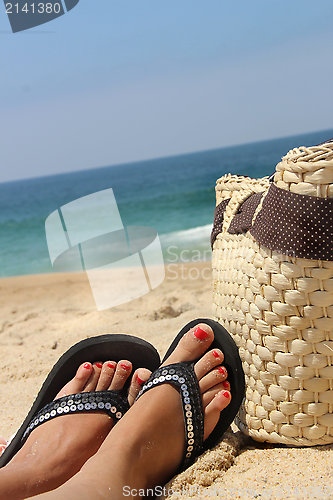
57, 449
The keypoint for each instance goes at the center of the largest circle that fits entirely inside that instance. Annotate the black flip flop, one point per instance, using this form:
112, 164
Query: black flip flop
102, 348
182, 376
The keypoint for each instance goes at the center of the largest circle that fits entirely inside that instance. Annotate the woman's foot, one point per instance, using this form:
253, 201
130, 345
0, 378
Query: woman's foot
147, 446
162, 407
57, 449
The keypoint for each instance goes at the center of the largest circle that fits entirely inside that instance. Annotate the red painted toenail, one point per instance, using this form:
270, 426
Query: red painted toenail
226, 394
99, 365
125, 367
87, 366
200, 333
222, 370
216, 354
139, 380
111, 365
226, 384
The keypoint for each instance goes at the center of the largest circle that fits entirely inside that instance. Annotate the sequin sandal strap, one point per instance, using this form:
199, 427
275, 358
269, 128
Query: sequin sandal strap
182, 376
110, 402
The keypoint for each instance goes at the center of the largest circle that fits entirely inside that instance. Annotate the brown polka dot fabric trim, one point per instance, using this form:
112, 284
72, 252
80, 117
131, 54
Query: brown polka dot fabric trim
242, 221
218, 219
295, 224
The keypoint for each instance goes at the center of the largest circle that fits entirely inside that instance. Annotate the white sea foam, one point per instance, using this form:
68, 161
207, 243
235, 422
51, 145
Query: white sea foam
187, 245
195, 235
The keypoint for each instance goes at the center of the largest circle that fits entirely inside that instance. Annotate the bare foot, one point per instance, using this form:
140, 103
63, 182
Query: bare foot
56, 450
147, 446
163, 403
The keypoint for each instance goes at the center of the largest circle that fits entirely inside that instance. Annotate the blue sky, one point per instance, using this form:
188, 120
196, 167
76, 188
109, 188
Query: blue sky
115, 81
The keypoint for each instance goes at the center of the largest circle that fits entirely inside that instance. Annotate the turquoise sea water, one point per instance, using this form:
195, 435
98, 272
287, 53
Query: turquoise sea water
173, 195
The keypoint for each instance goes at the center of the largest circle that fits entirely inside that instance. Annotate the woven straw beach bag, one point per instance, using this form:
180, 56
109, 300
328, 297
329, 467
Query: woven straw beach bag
273, 291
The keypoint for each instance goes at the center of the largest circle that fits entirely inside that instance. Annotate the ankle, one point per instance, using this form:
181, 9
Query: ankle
148, 466
133, 452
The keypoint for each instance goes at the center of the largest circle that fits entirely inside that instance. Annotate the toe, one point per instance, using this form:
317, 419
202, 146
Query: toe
78, 383
207, 362
3, 445
140, 376
93, 380
123, 371
212, 378
106, 376
213, 410
192, 345
209, 395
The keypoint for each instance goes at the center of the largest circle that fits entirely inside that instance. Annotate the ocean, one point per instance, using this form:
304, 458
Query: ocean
174, 195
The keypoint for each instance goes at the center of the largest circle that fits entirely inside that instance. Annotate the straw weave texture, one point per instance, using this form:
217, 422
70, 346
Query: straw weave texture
279, 310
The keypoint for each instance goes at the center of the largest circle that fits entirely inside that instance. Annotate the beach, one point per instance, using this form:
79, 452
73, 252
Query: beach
42, 315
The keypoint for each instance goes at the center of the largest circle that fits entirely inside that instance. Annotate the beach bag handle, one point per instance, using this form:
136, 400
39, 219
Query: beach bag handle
232, 191
291, 223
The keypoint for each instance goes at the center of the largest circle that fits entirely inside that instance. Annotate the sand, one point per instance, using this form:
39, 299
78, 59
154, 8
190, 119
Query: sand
42, 316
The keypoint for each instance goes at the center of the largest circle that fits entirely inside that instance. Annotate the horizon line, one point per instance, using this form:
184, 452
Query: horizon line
145, 160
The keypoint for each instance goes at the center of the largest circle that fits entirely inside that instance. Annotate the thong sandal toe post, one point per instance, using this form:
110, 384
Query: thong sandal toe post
102, 348
182, 376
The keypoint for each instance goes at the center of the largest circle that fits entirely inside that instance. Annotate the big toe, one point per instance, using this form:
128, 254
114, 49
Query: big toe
192, 345
140, 376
